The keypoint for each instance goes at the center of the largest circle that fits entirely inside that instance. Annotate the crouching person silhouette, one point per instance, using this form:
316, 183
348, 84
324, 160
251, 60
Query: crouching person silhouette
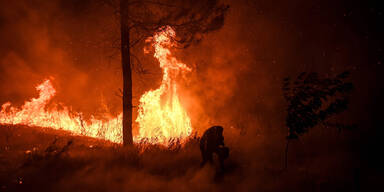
212, 142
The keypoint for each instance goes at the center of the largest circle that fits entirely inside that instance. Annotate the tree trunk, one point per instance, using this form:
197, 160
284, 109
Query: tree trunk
286, 154
127, 74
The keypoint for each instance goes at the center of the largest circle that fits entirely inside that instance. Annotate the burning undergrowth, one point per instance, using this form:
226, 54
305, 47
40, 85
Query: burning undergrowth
161, 116
53, 160
69, 162
236, 77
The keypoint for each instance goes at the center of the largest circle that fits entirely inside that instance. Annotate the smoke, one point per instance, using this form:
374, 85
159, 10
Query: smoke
237, 70
59, 40
235, 82
236, 75
91, 164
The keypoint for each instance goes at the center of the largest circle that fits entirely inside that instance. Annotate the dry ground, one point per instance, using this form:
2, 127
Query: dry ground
255, 164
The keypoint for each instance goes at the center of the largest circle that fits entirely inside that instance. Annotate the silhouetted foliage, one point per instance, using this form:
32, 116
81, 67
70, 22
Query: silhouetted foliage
313, 101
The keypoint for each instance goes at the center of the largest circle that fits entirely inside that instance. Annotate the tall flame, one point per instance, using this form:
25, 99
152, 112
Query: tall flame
34, 113
161, 116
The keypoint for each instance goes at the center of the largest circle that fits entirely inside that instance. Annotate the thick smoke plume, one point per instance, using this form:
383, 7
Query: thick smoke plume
235, 82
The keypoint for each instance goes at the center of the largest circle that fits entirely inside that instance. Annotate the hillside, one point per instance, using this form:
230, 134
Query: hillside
30, 161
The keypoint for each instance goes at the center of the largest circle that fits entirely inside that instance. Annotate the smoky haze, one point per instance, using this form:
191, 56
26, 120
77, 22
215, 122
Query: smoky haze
236, 81
237, 71
61, 40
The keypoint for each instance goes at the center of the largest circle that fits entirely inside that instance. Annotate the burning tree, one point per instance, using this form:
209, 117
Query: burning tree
140, 19
158, 22
314, 101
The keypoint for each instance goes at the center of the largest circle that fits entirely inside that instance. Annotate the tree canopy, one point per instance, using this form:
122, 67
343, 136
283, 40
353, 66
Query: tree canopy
312, 100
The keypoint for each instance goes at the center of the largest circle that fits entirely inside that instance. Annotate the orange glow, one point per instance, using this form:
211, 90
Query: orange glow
34, 113
161, 117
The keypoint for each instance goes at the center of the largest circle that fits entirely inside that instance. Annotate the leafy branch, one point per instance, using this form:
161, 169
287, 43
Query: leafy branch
313, 101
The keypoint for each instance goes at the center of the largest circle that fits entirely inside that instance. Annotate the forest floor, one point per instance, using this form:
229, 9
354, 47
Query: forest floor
31, 160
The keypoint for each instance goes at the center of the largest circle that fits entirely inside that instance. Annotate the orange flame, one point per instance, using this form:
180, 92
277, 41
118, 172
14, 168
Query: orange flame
161, 117
33, 113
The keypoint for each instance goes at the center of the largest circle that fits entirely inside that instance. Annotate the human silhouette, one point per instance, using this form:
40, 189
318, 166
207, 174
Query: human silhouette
212, 142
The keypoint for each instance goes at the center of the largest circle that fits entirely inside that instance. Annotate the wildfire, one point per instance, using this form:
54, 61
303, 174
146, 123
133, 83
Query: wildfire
34, 113
161, 117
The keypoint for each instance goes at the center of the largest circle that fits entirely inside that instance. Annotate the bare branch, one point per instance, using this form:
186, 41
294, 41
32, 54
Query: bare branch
132, 44
152, 2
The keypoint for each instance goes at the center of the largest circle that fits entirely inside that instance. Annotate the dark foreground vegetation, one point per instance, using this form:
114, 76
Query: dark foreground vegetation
37, 159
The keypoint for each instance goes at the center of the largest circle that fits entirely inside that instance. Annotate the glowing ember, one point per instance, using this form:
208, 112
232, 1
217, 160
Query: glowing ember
161, 117
34, 113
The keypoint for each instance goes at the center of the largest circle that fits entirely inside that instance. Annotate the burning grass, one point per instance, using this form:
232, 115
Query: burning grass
161, 116
31, 160
46, 162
